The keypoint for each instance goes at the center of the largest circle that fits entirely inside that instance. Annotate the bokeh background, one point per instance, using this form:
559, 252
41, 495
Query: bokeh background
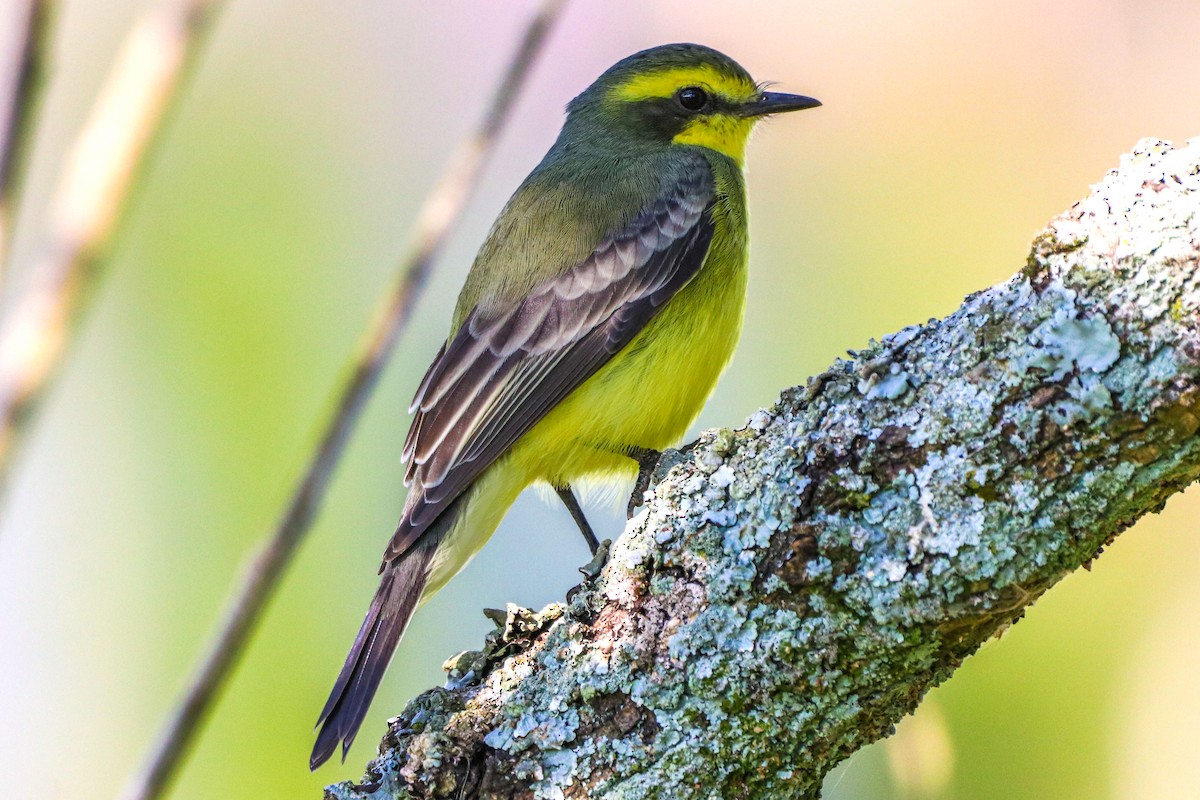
272, 216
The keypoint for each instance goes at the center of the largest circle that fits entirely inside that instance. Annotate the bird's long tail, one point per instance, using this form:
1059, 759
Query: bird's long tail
399, 592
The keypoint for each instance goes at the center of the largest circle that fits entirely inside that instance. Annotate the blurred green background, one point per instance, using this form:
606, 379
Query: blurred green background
272, 216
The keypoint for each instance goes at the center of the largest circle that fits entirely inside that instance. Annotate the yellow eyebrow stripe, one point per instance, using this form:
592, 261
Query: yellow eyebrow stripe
665, 82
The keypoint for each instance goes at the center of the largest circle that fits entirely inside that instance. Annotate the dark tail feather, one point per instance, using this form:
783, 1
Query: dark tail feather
396, 599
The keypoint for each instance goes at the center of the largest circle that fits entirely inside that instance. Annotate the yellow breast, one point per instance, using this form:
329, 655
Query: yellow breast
651, 392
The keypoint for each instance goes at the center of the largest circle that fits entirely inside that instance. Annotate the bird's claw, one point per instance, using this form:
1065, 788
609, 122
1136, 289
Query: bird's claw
647, 461
591, 570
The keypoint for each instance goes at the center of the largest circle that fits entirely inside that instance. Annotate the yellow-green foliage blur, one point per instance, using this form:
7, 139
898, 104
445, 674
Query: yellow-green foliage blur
272, 216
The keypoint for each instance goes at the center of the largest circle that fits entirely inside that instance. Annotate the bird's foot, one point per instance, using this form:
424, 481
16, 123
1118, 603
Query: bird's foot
647, 460
591, 570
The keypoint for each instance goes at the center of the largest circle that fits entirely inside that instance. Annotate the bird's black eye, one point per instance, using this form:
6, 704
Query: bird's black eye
693, 98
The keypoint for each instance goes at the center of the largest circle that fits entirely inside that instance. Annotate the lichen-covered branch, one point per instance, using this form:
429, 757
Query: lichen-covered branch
793, 588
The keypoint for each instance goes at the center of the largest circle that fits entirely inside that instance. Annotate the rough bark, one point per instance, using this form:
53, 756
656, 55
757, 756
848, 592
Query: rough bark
792, 589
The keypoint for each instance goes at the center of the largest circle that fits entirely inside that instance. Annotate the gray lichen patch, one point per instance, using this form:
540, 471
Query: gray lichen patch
792, 589
1066, 343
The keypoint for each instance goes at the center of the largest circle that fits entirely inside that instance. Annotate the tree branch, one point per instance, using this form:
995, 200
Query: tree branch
793, 588
18, 105
87, 205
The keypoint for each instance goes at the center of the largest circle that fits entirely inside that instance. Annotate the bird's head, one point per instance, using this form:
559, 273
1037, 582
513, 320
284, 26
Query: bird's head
677, 93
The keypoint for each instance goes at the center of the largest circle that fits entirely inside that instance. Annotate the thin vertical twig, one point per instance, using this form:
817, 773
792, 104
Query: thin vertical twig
28, 66
87, 205
439, 213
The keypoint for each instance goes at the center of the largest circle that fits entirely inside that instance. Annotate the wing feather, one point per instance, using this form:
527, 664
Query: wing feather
506, 369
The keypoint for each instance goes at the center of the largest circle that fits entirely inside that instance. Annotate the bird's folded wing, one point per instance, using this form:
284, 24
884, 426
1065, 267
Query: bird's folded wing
506, 369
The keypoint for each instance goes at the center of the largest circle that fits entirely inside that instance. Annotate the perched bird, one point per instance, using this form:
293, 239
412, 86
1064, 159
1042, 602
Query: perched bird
593, 325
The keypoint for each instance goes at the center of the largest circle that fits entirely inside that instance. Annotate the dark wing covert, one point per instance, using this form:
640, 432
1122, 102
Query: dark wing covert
505, 370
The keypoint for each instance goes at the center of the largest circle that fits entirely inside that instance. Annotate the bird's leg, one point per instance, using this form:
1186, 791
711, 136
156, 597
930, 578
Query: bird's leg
568, 497
647, 460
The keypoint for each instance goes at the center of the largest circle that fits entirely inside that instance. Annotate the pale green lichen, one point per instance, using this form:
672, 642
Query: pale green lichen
887, 385
1066, 342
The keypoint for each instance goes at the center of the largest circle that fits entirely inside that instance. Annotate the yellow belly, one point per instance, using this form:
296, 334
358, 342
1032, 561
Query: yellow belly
652, 391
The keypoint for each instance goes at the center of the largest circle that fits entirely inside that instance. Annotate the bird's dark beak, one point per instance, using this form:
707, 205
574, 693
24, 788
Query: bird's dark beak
777, 103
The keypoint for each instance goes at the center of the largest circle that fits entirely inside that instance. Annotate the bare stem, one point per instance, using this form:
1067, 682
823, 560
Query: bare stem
440, 212
27, 66
87, 205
